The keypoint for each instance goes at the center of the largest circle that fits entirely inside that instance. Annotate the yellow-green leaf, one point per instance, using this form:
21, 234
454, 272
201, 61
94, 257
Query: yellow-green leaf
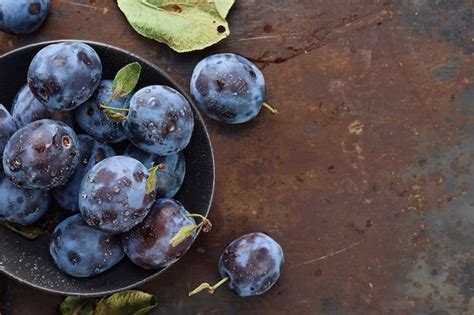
126, 80
151, 182
126, 302
184, 25
29, 232
117, 117
223, 6
183, 234
77, 306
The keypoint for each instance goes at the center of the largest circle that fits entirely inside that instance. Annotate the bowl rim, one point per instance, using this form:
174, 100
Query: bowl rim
197, 114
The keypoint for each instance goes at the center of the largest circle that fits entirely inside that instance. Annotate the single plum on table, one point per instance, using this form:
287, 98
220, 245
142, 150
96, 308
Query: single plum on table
251, 265
20, 17
228, 88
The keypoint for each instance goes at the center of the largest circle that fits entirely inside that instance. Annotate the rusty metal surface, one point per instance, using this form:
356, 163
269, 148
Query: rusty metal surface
365, 176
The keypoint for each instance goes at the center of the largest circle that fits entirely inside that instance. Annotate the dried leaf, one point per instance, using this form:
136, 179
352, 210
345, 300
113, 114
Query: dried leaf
29, 232
184, 25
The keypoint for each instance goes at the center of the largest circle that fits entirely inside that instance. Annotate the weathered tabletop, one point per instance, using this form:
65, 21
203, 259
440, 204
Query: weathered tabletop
365, 175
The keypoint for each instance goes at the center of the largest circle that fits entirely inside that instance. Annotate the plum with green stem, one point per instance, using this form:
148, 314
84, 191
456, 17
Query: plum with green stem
229, 88
251, 265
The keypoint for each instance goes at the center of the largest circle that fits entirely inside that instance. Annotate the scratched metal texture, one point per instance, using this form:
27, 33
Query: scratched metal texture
365, 176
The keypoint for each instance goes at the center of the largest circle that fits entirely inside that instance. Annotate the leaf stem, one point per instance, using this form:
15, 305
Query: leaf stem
208, 287
270, 108
114, 108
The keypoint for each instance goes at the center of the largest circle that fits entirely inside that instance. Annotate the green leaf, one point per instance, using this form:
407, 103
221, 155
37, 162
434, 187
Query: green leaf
77, 306
184, 25
29, 232
126, 80
223, 7
127, 302
183, 234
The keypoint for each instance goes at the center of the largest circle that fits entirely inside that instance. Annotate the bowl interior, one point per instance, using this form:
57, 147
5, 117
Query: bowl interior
29, 261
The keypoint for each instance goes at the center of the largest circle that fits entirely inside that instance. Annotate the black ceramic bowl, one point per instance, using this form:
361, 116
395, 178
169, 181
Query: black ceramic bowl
29, 261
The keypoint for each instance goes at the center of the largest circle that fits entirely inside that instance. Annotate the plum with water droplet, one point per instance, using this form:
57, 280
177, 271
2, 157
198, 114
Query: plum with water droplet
160, 120
113, 195
63, 76
149, 244
41, 155
91, 152
82, 251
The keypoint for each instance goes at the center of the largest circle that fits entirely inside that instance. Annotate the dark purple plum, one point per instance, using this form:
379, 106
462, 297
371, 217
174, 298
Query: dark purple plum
170, 178
228, 88
113, 195
149, 244
82, 251
26, 108
8, 126
251, 265
93, 119
160, 120
91, 152
41, 155
63, 76
20, 17
22, 206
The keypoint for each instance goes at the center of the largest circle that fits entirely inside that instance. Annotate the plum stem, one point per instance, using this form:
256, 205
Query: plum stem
206, 286
270, 108
114, 108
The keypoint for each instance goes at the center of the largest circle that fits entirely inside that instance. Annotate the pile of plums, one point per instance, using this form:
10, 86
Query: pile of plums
60, 141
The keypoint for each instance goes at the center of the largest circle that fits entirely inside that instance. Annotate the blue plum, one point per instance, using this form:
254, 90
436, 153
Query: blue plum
94, 121
228, 88
160, 120
171, 178
82, 251
91, 152
26, 108
63, 76
8, 126
20, 17
113, 195
22, 206
252, 263
41, 155
148, 244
